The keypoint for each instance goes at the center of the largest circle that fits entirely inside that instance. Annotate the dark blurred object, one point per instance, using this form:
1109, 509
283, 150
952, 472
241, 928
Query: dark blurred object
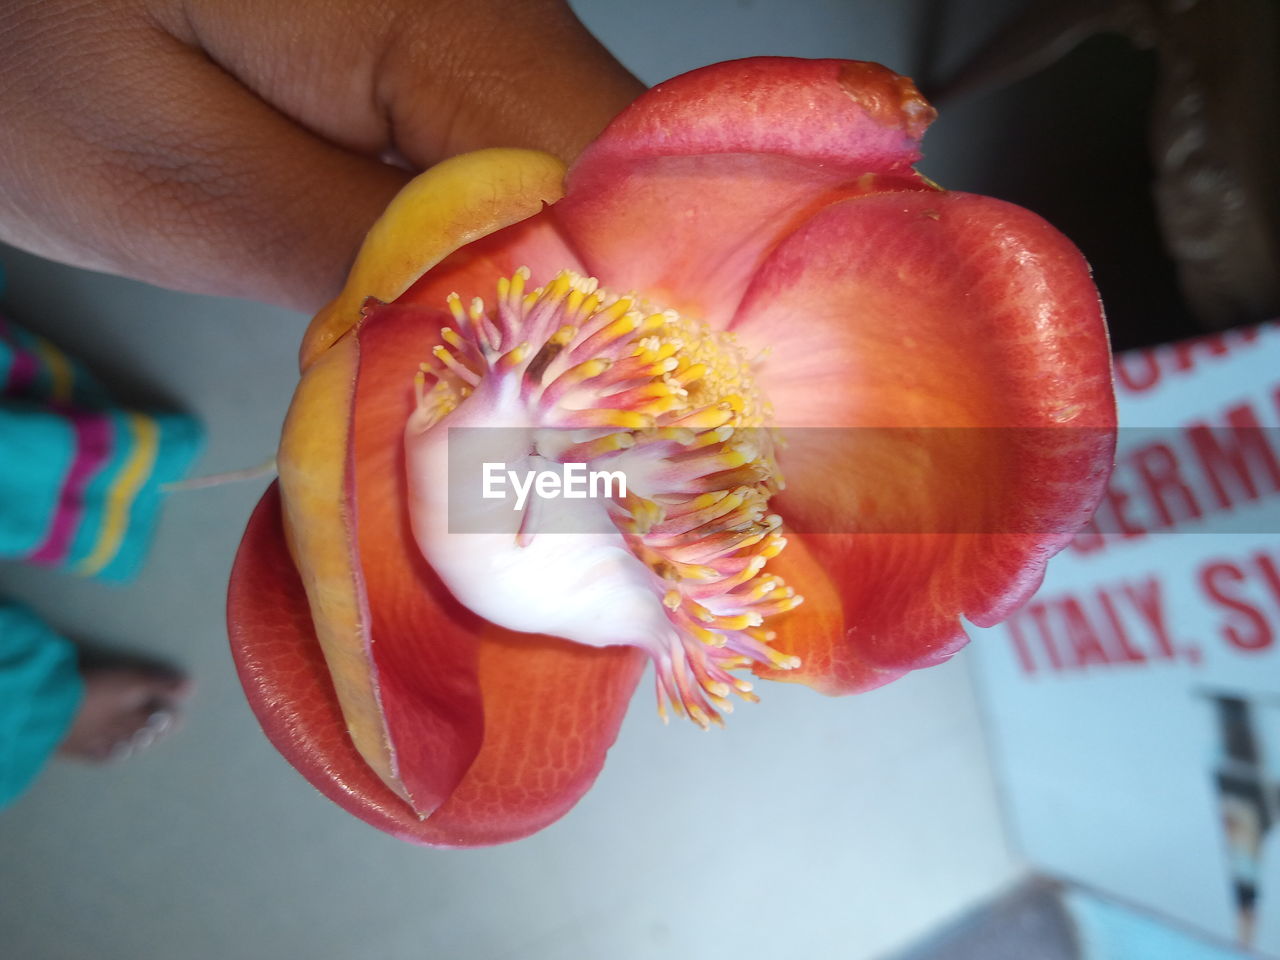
1214, 130
1029, 923
1247, 802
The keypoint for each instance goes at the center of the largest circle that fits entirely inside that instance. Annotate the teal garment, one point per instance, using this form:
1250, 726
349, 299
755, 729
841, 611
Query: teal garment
36, 451
40, 692
82, 481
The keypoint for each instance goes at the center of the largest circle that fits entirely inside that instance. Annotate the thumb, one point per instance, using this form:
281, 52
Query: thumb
523, 74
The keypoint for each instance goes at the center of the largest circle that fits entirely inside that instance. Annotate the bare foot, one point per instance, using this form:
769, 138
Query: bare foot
127, 706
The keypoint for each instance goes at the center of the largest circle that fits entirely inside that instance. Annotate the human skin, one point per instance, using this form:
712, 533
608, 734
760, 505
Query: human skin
235, 148
125, 708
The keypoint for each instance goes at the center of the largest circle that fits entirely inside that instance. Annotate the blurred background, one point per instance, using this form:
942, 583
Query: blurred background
855, 828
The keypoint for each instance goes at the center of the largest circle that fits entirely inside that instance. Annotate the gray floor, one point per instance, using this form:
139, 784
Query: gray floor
811, 827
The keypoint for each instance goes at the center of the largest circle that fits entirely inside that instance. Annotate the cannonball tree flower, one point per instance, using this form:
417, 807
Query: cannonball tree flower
853, 408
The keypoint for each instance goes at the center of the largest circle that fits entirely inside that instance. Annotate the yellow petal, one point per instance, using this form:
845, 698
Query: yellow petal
313, 474
448, 206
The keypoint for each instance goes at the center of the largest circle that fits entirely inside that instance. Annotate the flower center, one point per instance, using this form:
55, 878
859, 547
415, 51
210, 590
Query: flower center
672, 559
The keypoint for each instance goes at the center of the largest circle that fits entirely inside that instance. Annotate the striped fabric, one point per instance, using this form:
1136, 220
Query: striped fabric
80, 479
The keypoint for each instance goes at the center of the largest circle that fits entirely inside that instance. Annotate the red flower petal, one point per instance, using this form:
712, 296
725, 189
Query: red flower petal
287, 681
422, 640
552, 709
858, 117
813, 631
685, 192
474, 270
969, 331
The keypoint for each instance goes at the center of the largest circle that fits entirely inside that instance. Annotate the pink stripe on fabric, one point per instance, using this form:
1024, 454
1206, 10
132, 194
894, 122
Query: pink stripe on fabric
93, 448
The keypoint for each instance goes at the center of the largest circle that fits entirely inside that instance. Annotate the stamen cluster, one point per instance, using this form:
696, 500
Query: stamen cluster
674, 405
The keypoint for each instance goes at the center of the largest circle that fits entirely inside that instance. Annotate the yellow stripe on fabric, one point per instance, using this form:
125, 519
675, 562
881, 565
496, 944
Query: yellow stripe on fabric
145, 435
60, 375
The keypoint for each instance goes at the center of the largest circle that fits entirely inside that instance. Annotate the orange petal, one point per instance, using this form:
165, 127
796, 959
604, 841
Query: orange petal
423, 642
287, 681
939, 367
552, 709
822, 631
857, 116
456, 201
688, 233
686, 191
474, 270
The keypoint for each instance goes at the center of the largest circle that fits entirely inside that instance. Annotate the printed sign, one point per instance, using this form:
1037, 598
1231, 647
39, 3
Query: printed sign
1134, 703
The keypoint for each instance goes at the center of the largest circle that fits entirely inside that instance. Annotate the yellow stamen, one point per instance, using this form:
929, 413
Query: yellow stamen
647, 384
454, 303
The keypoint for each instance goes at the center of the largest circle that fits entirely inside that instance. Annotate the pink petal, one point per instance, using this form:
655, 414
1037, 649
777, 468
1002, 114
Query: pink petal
970, 331
687, 190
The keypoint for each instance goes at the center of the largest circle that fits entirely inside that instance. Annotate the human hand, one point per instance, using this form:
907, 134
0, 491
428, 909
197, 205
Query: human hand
238, 148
